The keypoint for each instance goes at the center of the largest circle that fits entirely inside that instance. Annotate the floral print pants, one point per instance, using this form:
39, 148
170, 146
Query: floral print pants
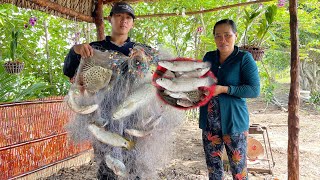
214, 143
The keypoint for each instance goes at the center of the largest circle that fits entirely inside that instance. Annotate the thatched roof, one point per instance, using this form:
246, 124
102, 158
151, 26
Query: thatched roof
61, 8
79, 10
82, 10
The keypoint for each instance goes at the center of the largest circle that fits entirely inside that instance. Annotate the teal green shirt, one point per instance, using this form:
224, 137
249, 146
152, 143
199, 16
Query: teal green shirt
240, 72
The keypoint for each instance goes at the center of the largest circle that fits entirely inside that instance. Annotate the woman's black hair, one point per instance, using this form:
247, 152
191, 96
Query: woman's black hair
226, 21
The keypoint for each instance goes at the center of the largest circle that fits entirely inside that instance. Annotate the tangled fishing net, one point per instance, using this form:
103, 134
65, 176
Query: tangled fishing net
117, 110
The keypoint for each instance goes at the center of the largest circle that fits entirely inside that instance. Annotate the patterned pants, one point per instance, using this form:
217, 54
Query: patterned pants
214, 142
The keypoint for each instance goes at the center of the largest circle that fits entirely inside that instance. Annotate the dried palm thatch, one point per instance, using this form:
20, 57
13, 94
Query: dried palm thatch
79, 10
84, 10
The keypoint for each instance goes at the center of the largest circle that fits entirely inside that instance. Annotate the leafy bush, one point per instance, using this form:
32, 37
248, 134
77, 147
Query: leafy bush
315, 98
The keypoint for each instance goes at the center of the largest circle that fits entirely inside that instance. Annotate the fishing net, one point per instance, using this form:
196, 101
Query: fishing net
115, 93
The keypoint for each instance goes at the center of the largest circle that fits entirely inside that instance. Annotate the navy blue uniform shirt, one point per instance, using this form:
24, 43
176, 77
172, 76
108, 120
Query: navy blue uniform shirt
72, 60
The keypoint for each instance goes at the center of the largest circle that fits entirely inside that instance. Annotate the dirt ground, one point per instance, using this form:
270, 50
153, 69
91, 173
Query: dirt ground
188, 161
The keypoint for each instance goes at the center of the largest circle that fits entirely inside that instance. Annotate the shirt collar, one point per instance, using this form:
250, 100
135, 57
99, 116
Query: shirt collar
233, 54
108, 39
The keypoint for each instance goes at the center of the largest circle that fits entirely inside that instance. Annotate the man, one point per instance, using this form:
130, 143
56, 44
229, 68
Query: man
121, 19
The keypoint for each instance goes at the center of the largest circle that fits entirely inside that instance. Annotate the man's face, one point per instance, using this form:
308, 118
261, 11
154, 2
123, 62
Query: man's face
121, 23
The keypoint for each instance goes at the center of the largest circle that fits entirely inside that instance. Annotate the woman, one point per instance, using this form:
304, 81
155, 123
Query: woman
225, 119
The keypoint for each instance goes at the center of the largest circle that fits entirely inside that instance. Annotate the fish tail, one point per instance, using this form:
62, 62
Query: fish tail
211, 81
130, 145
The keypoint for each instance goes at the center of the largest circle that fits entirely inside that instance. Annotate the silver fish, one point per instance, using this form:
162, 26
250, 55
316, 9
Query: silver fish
137, 133
77, 108
192, 74
116, 166
177, 95
185, 84
193, 96
184, 103
183, 65
169, 74
151, 122
110, 138
134, 101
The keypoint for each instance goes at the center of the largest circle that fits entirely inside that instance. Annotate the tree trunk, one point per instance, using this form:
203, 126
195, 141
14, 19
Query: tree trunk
98, 20
294, 101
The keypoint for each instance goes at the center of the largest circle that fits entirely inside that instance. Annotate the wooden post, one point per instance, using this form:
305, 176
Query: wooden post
98, 20
294, 101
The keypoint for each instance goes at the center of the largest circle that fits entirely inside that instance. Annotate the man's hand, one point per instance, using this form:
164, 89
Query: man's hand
85, 50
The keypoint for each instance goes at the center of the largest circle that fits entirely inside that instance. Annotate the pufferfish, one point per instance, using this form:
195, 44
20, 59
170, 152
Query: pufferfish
95, 77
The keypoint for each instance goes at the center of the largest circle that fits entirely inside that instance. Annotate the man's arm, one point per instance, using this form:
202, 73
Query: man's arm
73, 58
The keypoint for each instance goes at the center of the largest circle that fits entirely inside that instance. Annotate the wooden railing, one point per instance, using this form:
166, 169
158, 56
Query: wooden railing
32, 136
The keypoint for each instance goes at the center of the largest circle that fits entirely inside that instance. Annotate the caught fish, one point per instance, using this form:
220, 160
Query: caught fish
110, 138
102, 122
192, 74
77, 108
137, 133
183, 65
95, 77
169, 74
177, 95
185, 84
134, 101
193, 96
116, 166
151, 122
184, 103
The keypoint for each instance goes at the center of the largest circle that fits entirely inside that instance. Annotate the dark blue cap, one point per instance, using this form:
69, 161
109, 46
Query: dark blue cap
122, 7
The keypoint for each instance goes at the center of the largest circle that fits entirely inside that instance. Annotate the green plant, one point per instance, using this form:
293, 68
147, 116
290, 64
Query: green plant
263, 27
248, 20
14, 43
265, 23
315, 98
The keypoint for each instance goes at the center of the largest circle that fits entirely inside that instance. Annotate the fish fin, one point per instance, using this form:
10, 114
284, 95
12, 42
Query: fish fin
131, 145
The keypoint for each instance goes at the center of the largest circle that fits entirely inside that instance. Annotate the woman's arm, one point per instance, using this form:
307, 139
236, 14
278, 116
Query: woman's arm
250, 80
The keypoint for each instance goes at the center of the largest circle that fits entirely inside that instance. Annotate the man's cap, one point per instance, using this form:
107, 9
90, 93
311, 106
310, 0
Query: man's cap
122, 7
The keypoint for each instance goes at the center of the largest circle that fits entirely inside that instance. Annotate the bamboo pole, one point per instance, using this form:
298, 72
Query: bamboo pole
98, 20
202, 11
63, 10
294, 101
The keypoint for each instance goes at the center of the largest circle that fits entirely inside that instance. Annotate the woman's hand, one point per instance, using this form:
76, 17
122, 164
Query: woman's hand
220, 90
85, 50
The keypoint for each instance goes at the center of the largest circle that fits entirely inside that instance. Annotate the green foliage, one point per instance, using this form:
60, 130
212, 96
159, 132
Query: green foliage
14, 88
258, 35
265, 24
268, 85
14, 43
315, 98
248, 20
268, 91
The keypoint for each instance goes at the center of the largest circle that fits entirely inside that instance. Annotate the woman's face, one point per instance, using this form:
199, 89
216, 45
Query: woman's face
225, 38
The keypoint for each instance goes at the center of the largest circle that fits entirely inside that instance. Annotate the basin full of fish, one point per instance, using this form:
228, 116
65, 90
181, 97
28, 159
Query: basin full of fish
184, 83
